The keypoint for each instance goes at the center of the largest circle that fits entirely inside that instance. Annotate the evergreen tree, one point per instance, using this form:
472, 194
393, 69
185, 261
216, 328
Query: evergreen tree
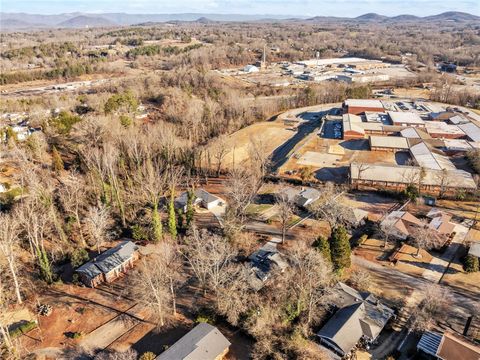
340, 249
471, 264
323, 246
180, 219
156, 224
172, 221
190, 210
57, 161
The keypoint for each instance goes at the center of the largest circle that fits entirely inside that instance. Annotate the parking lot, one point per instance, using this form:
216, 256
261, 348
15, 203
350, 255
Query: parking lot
332, 130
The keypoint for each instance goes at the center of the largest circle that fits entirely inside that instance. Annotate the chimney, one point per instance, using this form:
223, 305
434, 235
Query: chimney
467, 325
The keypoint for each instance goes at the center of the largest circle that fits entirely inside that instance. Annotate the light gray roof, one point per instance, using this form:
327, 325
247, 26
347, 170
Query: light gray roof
475, 249
203, 342
406, 174
471, 130
109, 260
364, 103
200, 195
428, 159
307, 196
458, 119
394, 142
409, 118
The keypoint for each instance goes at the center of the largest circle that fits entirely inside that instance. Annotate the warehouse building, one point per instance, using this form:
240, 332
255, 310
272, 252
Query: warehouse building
409, 119
388, 143
442, 130
396, 177
357, 106
428, 159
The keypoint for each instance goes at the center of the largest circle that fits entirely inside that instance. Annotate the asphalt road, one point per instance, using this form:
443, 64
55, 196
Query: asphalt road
281, 154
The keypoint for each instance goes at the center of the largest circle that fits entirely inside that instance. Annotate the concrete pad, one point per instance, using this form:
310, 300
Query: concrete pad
319, 160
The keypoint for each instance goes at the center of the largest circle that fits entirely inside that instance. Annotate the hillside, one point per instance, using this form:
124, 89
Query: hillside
86, 21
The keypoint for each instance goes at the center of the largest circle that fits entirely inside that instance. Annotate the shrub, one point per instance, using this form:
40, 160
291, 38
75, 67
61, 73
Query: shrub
23, 329
139, 233
471, 264
78, 257
65, 121
147, 356
126, 121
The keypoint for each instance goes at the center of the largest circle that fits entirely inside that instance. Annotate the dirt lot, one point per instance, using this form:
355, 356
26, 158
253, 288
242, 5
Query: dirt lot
376, 204
457, 278
269, 135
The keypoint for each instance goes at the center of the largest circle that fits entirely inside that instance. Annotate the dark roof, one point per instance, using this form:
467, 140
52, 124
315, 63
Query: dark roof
263, 261
360, 314
203, 342
109, 259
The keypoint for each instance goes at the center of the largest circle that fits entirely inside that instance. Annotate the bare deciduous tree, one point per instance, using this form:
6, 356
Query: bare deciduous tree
285, 211
208, 255
152, 288
434, 304
426, 238
98, 220
233, 293
309, 278
9, 237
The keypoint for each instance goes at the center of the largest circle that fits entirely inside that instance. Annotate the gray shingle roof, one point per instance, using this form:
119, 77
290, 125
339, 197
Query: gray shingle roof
360, 314
109, 260
203, 342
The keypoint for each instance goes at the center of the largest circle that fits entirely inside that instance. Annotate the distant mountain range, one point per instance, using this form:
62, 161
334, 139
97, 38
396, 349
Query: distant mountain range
20, 21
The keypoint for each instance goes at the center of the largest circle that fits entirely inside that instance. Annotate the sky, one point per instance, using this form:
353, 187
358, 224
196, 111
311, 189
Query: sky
349, 8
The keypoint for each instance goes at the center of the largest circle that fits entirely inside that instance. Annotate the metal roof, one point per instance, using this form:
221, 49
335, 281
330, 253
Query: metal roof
471, 130
394, 142
408, 174
425, 158
364, 103
203, 342
439, 127
430, 342
405, 118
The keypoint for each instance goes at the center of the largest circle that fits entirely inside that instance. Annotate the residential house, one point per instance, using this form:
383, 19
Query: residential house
301, 197
264, 262
446, 346
400, 224
440, 222
202, 197
360, 317
203, 342
109, 265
